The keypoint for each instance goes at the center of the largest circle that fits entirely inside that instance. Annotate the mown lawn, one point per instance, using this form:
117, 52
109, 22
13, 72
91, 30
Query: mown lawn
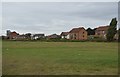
59, 58
0, 57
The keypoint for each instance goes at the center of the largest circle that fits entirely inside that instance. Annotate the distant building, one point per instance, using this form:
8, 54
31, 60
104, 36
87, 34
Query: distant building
20, 37
11, 35
38, 36
53, 36
64, 35
101, 31
78, 34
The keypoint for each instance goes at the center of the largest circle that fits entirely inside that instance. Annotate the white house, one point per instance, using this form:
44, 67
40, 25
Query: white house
64, 35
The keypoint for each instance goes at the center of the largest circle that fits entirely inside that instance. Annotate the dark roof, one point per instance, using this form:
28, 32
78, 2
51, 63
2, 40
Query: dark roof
53, 36
14, 33
102, 28
64, 33
74, 30
38, 35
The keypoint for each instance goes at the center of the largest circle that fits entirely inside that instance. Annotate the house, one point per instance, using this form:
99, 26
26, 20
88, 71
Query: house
53, 36
101, 31
13, 35
64, 35
78, 34
20, 37
38, 36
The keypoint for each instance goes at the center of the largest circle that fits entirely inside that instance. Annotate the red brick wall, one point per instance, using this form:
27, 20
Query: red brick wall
81, 35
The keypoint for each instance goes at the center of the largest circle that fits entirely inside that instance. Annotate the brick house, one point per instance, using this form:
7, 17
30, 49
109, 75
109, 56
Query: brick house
78, 34
53, 36
20, 37
64, 35
101, 31
13, 35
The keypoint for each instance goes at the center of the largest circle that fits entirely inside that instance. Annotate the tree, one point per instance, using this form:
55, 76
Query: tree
119, 35
90, 31
28, 35
112, 30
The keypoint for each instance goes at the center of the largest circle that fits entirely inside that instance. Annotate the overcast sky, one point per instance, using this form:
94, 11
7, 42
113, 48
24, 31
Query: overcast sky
55, 17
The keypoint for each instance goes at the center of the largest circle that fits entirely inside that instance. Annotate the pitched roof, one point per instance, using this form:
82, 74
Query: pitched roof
53, 36
102, 28
76, 29
38, 35
64, 33
14, 33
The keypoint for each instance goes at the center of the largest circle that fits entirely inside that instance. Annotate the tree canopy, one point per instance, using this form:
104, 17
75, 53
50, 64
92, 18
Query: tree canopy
112, 29
90, 31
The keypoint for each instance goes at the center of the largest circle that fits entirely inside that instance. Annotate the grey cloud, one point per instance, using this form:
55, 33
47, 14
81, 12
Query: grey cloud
53, 17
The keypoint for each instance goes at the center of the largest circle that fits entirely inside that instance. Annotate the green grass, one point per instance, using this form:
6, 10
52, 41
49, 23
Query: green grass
0, 57
59, 58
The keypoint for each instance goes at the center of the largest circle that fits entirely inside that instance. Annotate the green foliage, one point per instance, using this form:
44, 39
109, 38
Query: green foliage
90, 31
112, 30
96, 39
119, 35
28, 36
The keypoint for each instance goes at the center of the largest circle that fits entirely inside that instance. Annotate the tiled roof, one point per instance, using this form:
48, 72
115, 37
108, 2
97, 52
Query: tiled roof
103, 28
64, 33
76, 29
14, 33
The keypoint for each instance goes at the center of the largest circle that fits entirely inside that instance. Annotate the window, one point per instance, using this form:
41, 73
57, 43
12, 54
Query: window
83, 32
71, 36
74, 36
83, 36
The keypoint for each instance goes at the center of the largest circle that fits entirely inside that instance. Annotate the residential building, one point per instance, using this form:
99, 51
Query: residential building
38, 36
64, 35
101, 31
53, 36
78, 34
20, 37
13, 35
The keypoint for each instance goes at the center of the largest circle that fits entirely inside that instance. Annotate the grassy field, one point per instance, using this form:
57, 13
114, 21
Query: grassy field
0, 57
59, 58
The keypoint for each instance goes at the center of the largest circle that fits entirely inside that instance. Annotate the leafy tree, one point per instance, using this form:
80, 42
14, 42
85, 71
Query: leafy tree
28, 35
119, 35
112, 30
90, 31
